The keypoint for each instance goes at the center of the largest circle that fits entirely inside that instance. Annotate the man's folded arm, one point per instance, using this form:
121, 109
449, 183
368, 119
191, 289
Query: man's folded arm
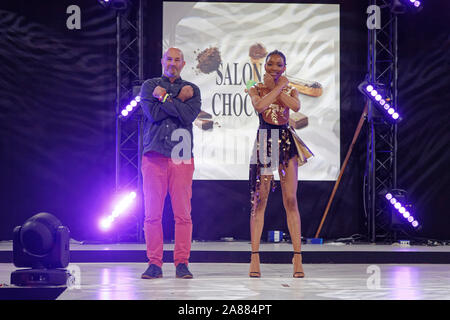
150, 105
185, 111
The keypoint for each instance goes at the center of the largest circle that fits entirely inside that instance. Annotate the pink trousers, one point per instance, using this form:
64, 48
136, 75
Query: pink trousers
162, 175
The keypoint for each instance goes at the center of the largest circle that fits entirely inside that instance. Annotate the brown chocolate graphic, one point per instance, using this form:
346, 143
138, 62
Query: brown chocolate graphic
204, 120
204, 124
257, 51
209, 60
310, 88
298, 120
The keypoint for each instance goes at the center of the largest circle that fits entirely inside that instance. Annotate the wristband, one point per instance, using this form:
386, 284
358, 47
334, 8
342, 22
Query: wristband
165, 98
160, 98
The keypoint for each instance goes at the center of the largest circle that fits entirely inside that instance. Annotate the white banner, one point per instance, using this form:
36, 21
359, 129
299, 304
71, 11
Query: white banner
224, 46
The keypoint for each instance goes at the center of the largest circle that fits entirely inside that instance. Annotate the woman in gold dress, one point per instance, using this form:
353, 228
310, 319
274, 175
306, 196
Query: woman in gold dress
277, 147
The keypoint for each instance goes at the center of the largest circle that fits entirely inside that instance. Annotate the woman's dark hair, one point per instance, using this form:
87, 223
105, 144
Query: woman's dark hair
281, 54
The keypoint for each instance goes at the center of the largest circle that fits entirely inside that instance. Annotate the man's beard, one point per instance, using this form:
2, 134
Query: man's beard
172, 72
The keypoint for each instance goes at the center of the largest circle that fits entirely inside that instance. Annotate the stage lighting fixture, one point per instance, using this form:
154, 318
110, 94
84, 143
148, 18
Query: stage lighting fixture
114, 4
41, 244
401, 6
416, 4
121, 207
374, 93
398, 7
128, 110
396, 201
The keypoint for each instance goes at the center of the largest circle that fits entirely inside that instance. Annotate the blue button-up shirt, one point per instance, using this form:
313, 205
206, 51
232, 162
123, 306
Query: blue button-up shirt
163, 118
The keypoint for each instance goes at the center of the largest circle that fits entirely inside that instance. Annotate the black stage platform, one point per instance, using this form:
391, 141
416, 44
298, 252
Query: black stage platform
239, 252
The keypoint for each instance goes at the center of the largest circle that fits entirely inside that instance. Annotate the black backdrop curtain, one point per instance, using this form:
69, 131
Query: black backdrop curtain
57, 132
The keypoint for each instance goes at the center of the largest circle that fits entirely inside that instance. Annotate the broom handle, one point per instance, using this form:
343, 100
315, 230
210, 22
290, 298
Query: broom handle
336, 185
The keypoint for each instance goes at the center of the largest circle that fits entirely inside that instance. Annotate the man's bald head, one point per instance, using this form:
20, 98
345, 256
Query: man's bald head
172, 63
174, 50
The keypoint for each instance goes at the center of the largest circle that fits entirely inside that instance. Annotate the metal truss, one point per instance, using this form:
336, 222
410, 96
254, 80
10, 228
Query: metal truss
129, 76
381, 165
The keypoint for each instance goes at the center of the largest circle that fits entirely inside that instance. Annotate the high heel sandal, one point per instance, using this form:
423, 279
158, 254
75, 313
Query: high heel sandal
298, 274
254, 274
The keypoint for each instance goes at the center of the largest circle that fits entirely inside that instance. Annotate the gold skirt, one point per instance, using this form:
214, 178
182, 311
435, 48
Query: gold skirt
288, 138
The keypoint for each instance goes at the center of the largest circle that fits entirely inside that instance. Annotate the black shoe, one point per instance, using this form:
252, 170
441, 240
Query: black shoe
182, 271
152, 272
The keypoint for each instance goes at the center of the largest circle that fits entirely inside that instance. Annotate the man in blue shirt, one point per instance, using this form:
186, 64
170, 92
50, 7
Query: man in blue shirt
170, 105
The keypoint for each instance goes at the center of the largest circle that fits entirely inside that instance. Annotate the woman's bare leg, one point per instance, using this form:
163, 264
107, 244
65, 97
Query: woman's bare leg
257, 223
289, 184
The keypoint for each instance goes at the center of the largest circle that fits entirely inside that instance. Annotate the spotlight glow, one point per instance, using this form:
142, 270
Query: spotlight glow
376, 93
120, 208
400, 207
130, 107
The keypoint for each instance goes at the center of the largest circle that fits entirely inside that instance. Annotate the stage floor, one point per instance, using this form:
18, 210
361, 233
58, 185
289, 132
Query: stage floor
229, 281
112, 272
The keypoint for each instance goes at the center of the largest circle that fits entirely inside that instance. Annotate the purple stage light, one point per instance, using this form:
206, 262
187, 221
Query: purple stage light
119, 209
106, 223
376, 95
415, 4
130, 107
400, 207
